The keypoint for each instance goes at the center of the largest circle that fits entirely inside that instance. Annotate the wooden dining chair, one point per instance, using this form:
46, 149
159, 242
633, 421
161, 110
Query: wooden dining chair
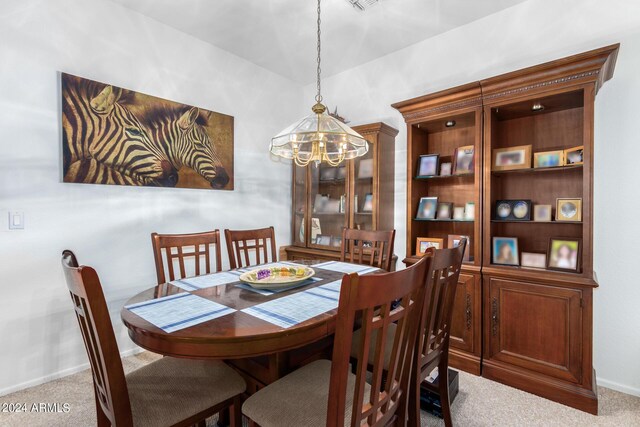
326, 393
368, 247
167, 392
202, 247
242, 243
432, 345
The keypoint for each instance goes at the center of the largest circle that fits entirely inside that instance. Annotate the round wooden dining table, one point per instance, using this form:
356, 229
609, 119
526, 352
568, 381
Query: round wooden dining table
259, 348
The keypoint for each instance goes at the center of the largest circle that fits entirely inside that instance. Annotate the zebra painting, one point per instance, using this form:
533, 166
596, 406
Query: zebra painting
121, 137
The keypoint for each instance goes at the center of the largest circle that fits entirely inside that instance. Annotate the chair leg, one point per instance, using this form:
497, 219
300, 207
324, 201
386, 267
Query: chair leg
202, 423
236, 412
223, 418
413, 418
103, 421
443, 388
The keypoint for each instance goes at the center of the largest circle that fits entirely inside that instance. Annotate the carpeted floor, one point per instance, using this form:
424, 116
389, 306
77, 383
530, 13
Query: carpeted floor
480, 403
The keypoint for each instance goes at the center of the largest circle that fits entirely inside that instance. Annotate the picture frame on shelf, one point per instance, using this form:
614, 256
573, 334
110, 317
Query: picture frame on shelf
424, 243
323, 240
458, 213
564, 254
453, 240
367, 206
336, 242
427, 208
331, 206
327, 173
533, 260
444, 210
445, 169
511, 158
574, 156
428, 165
320, 202
341, 173
513, 210
505, 251
542, 213
569, 209
548, 159
365, 168
470, 211
463, 160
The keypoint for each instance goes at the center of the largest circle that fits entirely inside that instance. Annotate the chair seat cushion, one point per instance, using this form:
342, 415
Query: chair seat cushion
171, 390
388, 346
298, 399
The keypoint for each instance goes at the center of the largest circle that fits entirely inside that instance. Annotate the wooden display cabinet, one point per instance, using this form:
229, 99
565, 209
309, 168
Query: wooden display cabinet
358, 193
438, 124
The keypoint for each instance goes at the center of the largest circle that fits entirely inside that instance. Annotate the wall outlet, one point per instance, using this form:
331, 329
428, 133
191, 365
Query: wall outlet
16, 220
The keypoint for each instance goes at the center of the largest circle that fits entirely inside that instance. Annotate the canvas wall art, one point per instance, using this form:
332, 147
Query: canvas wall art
112, 135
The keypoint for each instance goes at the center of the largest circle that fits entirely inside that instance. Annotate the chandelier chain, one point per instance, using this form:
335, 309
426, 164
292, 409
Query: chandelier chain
318, 95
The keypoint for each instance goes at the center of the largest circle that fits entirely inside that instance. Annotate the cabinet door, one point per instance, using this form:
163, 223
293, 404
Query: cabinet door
363, 203
299, 204
536, 327
465, 314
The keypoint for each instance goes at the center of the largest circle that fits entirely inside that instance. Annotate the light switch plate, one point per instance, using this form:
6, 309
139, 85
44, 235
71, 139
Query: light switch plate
16, 220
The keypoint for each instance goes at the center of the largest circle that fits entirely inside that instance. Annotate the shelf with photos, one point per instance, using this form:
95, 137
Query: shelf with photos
462, 165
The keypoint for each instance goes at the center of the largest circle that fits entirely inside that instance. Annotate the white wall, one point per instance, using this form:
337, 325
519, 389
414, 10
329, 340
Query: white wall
524, 35
109, 226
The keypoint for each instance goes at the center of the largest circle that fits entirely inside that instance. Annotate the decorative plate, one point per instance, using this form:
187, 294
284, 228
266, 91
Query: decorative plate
276, 277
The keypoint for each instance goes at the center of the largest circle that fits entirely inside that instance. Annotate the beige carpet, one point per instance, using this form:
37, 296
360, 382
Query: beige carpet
480, 403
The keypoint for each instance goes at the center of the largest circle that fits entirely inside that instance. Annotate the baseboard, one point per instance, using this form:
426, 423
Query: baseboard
618, 387
59, 374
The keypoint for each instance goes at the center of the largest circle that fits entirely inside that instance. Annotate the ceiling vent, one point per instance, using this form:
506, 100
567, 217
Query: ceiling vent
363, 4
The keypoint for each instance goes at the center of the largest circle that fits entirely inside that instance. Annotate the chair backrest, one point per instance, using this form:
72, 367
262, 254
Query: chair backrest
178, 247
435, 321
362, 301
368, 247
110, 387
242, 243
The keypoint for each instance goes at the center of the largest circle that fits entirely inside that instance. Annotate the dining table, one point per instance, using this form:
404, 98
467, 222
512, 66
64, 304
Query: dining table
263, 334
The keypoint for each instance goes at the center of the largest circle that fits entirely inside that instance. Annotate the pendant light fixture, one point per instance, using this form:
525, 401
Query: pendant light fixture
318, 137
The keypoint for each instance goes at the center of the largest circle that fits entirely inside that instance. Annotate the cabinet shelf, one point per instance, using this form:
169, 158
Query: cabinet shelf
427, 177
444, 220
538, 170
512, 221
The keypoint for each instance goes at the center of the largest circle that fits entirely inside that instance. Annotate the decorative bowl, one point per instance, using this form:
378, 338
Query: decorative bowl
276, 277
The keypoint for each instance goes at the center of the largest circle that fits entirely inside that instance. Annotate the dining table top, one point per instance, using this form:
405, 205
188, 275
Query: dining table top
237, 334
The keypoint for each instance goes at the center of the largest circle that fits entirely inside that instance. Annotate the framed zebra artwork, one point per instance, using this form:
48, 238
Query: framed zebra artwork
112, 135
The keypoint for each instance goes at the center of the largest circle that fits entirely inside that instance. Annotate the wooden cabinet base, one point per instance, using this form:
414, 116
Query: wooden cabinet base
550, 388
465, 361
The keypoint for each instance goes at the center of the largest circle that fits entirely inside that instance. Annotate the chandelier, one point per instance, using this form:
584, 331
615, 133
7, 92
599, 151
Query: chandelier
318, 137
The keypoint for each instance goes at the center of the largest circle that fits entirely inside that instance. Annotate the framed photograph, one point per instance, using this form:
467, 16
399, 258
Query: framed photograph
574, 156
569, 210
424, 243
542, 213
564, 254
332, 206
368, 203
327, 173
365, 168
463, 160
458, 213
445, 169
453, 240
427, 208
513, 210
323, 240
548, 159
428, 165
445, 210
320, 202
336, 242
505, 251
341, 172
470, 211
534, 260
511, 158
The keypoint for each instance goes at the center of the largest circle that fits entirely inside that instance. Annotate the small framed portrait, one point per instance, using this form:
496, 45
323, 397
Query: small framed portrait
534, 260
564, 254
511, 158
548, 159
453, 240
323, 240
505, 251
427, 208
424, 243
463, 160
569, 210
445, 210
367, 206
542, 213
470, 211
574, 156
365, 168
445, 169
336, 242
341, 172
327, 173
458, 213
428, 165
513, 210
